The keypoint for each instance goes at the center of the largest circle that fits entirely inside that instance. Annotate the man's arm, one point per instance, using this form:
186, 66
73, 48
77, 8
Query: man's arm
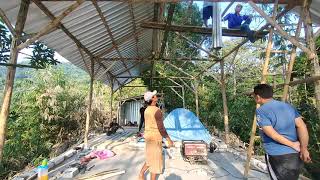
303, 138
226, 17
272, 133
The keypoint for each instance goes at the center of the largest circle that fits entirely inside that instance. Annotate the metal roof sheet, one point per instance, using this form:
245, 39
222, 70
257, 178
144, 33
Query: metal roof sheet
86, 25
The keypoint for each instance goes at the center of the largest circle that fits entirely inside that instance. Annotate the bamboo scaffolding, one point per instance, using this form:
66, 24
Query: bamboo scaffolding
196, 29
21, 19
281, 32
263, 80
291, 63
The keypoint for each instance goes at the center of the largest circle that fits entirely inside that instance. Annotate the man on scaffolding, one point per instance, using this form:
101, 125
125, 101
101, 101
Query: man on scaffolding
235, 22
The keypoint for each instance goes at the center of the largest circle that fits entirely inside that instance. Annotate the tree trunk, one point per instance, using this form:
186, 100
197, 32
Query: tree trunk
5, 108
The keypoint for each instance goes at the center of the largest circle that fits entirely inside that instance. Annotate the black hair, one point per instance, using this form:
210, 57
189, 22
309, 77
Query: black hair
263, 90
148, 102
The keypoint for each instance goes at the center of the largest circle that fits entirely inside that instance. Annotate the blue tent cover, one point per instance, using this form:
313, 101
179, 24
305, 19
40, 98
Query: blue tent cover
182, 124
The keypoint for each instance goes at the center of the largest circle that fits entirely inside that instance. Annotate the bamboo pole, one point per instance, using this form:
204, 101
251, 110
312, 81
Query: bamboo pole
89, 107
183, 97
5, 108
197, 45
196, 87
20, 65
179, 69
281, 32
263, 80
7, 22
53, 24
111, 98
269, 47
224, 100
312, 46
291, 63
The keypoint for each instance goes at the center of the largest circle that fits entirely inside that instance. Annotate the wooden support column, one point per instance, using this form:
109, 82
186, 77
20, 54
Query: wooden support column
291, 63
5, 108
155, 41
111, 99
311, 45
263, 80
196, 87
89, 106
183, 97
225, 106
269, 47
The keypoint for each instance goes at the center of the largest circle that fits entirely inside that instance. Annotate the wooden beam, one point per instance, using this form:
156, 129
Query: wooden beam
188, 59
68, 33
179, 69
296, 2
187, 85
7, 22
89, 106
134, 27
52, 25
8, 90
263, 80
105, 23
291, 63
166, 29
312, 46
20, 65
197, 29
164, 77
197, 45
269, 47
196, 96
122, 40
281, 32
224, 102
300, 81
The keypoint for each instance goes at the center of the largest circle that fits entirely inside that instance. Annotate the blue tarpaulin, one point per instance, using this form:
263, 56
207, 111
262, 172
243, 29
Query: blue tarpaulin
182, 124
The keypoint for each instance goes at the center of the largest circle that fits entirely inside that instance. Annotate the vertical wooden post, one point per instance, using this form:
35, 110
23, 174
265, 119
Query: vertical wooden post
225, 106
111, 99
5, 108
312, 47
263, 80
269, 47
155, 40
89, 106
196, 86
291, 63
183, 98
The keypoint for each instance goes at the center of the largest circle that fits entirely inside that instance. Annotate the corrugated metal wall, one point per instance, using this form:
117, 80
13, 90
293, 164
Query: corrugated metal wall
130, 111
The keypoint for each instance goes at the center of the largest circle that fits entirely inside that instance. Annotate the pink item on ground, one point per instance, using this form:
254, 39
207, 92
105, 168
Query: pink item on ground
103, 154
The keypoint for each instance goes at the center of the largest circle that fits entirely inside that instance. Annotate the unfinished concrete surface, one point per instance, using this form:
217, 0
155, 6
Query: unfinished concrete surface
222, 165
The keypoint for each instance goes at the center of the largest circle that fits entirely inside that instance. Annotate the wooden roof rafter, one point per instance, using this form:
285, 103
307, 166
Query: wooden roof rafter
105, 23
45, 10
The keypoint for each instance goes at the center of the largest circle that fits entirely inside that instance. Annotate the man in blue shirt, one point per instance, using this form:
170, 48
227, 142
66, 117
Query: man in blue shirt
235, 22
284, 135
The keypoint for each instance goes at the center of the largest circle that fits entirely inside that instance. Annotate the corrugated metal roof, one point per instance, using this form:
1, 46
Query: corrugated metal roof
86, 25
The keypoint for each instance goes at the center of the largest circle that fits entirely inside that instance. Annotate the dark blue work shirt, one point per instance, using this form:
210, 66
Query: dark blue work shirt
281, 116
235, 20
